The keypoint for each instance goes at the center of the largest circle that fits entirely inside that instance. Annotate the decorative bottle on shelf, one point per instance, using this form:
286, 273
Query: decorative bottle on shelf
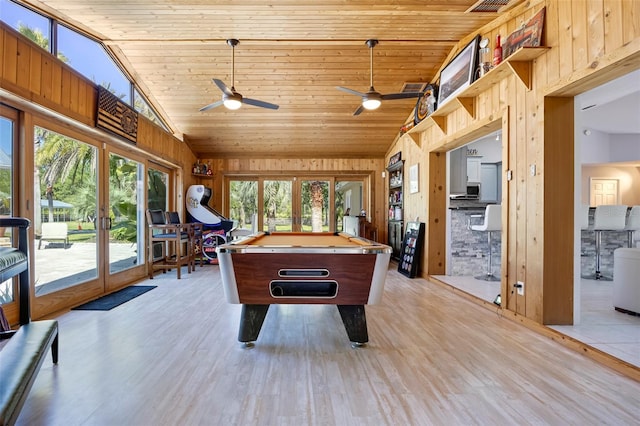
497, 52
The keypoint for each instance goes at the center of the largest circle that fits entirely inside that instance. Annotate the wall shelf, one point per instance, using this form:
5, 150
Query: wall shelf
518, 64
202, 175
396, 201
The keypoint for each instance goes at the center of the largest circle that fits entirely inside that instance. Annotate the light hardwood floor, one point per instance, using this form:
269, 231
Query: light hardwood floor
601, 326
171, 357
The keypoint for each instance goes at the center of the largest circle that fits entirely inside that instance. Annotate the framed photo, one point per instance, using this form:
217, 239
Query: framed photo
460, 72
530, 35
413, 179
427, 103
395, 158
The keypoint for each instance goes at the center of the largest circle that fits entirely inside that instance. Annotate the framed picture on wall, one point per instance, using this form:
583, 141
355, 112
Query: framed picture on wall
427, 103
458, 74
413, 179
529, 35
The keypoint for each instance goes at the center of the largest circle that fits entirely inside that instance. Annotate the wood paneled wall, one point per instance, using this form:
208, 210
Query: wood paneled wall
41, 86
40, 78
590, 42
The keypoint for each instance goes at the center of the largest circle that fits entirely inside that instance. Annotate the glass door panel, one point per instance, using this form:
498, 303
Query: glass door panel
314, 205
348, 200
65, 182
8, 121
243, 204
125, 216
157, 189
278, 201
157, 199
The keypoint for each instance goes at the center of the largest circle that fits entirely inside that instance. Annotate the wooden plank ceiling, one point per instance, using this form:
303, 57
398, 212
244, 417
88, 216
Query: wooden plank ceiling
292, 53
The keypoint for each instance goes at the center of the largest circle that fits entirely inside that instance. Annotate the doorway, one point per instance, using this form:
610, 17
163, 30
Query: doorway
603, 192
606, 170
95, 200
474, 172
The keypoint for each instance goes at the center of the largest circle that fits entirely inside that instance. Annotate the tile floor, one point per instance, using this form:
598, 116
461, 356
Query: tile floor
601, 326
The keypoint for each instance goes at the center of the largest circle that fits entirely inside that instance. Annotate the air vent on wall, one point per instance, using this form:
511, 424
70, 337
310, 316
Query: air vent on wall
413, 87
487, 6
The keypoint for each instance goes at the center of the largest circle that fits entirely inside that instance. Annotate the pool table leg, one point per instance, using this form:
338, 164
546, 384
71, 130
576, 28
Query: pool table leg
355, 322
251, 322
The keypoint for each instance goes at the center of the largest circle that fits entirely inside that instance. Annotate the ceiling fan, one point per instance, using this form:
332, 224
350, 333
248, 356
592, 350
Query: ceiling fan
372, 99
230, 98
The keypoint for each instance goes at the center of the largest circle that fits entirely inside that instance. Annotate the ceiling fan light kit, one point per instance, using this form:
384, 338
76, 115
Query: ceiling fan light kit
232, 103
372, 99
231, 99
371, 103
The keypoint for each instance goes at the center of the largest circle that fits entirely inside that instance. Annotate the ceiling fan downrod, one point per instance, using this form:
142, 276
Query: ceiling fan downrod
233, 42
371, 43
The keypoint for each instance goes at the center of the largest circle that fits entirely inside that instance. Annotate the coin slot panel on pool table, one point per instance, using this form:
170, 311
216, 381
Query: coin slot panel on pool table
312, 289
303, 273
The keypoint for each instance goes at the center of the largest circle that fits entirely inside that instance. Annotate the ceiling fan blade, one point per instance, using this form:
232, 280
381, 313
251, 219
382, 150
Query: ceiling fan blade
261, 104
353, 92
402, 95
359, 110
222, 87
211, 106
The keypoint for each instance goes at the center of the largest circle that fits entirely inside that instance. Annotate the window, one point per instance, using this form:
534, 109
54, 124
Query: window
294, 203
8, 139
29, 23
142, 106
87, 56
66, 211
243, 197
348, 200
91, 60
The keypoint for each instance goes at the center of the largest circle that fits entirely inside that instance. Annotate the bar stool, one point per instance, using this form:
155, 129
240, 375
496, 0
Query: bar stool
170, 237
584, 222
607, 218
492, 223
633, 224
584, 217
173, 218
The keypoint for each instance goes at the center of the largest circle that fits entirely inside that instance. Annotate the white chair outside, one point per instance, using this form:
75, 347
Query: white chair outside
633, 224
606, 218
492, 223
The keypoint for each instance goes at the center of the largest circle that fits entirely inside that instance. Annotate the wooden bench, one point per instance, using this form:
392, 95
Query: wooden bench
54, 231
22, 356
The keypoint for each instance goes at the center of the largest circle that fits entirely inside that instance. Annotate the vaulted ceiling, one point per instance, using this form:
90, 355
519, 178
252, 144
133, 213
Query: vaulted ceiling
292, 53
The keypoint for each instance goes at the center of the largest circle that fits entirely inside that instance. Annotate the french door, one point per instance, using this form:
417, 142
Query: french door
314, 202
8, 147
296, 204
88, 218
293, 203
65, 220
123, 218
278, 212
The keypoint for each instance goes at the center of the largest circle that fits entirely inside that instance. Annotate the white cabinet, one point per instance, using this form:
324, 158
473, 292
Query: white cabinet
474, 170
458, 172
489, 184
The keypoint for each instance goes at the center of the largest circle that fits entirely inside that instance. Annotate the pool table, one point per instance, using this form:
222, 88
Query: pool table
303, 268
